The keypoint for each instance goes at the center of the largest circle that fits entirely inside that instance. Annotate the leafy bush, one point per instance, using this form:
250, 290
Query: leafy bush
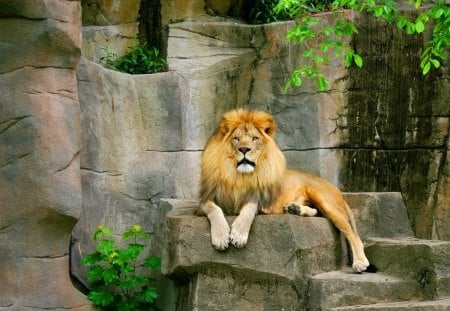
113, 277
139, 60
308, 28
261, 11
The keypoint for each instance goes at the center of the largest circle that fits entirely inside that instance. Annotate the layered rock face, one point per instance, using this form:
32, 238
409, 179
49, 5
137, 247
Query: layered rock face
40, 185
295, 263
143, 135
108, 27
398, 127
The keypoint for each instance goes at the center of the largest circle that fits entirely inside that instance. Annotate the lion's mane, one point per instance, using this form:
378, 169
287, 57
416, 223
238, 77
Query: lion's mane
220, 180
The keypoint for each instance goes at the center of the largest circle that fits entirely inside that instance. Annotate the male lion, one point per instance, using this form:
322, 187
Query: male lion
243, 172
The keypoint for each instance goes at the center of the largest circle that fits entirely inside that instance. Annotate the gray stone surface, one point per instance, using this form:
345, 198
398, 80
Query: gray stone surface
288, 262
40, 183
141, 137
431, 305
426, 262
109, 27
337, 289
380, 214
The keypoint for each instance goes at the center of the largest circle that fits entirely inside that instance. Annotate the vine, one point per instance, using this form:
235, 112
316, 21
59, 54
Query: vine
331, 38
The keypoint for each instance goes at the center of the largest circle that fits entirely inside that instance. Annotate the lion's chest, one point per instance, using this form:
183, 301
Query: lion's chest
231, 198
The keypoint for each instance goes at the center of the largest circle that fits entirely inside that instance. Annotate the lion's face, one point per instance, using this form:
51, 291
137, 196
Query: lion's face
242, 162
247, 145
247, 134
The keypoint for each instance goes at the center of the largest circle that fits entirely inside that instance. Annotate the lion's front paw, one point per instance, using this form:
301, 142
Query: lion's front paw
239, 232
360, 265
220, 236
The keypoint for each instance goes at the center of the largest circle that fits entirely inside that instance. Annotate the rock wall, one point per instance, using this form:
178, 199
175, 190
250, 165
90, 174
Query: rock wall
40, 185
288, 262
111, 25
142, 136
398, 126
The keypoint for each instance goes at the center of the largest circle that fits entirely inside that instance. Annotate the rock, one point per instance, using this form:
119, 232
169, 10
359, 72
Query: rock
337, 289
225, 8
395, 141
380, 214
288, 262
175, 10
100, 40
40, 38
430, 305
107, 12
40, 184
109, 27
426, 262
269, 271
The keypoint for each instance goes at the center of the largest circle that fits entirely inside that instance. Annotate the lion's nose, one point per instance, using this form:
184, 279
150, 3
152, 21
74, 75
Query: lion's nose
244, 150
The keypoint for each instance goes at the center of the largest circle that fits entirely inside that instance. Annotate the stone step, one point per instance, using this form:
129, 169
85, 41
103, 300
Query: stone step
344, 288
287, 255
379, 214
427, 305
426, 262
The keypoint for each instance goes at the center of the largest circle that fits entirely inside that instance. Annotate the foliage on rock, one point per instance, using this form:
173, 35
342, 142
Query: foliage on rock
331, 37
113, 276
139, 60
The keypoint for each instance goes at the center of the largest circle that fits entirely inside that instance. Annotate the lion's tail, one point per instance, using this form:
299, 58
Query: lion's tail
351, 218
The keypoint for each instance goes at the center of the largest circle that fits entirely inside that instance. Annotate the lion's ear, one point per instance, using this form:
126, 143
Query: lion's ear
270, 127
266, 124
226, 125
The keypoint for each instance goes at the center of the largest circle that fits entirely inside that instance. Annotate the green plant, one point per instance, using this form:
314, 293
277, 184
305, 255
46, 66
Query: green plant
115, 283
139, 60
331, 36
261, 11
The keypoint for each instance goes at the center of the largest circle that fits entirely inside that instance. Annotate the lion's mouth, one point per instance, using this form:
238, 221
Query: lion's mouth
245, 166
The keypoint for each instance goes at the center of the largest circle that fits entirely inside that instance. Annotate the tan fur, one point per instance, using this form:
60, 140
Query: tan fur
260, 183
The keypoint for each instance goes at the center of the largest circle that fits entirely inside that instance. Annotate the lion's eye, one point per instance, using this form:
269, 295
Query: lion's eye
236, 139
255, 138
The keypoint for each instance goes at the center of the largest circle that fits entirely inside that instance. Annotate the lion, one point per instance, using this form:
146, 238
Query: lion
243, 173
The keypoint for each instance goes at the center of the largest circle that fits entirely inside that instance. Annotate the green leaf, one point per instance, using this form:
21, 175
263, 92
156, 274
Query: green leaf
152, 262
322, 83
95, 274
307, 53
133, 281
348, 58
358, 60
106, 246
378, 11
92, 259
435, 63
401, 22
417, 4
438, 13
426, 68
296, 80
101, 231
101, 298
110, 276
149, 294
420, 27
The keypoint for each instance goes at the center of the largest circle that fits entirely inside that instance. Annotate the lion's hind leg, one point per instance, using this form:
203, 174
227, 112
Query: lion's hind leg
340, 215
298, 207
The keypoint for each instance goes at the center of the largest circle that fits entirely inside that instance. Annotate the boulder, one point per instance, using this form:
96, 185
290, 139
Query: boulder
298, 263
40, 184
109, 12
